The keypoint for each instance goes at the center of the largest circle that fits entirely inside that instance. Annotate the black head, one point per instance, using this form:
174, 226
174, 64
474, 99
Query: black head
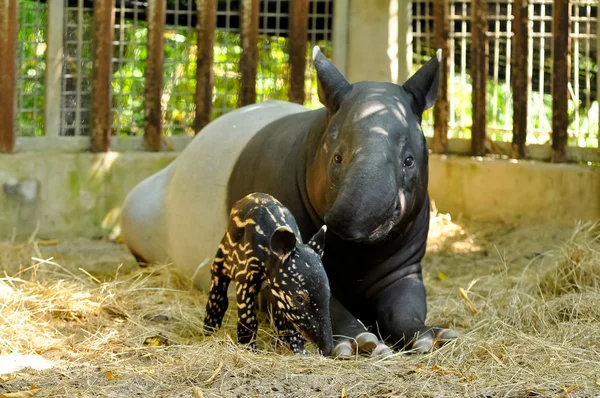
300, 287
368, 171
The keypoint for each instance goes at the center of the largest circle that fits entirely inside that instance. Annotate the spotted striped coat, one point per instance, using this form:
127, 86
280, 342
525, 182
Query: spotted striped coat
262, 250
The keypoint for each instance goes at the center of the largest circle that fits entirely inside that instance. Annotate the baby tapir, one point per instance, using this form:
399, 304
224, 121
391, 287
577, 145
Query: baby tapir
263, 250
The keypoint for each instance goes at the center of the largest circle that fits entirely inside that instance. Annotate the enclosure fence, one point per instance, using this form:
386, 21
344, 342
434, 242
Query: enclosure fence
518, 79
517, 75
126, 74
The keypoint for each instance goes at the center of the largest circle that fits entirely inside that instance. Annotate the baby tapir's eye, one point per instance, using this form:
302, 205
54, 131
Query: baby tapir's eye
299, 299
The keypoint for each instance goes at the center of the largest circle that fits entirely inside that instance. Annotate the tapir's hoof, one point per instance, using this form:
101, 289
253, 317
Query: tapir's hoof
423, 344
343, 350
427, 342
208, 331
446, 335
365, 342
382, 351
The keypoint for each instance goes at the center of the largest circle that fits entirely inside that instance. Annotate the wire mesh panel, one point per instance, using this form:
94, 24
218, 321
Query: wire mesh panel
499, 91
583, 106
179, 83
274, 70
273, 67
77, 69
273, 57
320, 32
227, 52
129, 59
583, 130
423, 47
31, 67
540, 69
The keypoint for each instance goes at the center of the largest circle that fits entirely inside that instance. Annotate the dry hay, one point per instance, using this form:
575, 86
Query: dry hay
528, 313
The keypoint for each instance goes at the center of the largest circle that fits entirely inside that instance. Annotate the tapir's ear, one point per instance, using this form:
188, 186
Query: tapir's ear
283, 241
423, 85
317, 242
332, 85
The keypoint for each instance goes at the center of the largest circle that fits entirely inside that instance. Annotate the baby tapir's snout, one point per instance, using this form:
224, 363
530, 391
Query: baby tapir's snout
301, 292
323, 337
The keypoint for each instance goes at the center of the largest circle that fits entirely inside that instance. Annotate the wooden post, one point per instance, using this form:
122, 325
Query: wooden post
518, 77
8, 73
479, 73
441, 111
560, 80
405, 39
249, 56
54, 65
207, 11
154, 75
101, 74
297, 44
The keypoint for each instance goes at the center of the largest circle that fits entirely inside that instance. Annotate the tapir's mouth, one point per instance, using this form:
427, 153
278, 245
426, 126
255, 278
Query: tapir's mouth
315, 338
371, 233
384, 228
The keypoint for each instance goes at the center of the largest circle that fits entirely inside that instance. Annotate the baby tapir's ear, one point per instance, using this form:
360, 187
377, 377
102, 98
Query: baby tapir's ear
283, 241
317, 242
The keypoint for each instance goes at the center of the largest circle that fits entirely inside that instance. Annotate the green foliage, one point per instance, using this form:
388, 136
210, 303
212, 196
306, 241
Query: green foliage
179, 82
583, 131
31, 68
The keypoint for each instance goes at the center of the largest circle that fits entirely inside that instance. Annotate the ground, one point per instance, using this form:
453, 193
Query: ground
524, 298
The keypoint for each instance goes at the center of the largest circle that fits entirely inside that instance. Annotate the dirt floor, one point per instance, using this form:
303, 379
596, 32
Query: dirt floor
525, 298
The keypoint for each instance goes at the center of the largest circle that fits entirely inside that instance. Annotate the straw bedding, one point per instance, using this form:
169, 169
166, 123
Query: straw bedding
525, 299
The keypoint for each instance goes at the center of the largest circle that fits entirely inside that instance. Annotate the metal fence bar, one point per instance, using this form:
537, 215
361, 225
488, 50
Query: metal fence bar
207, 12
249, 56
598, 78
8, 73
297, 49
520, 86
479, 73
101, 74
54, 66
560, 79
441, 25
154, 75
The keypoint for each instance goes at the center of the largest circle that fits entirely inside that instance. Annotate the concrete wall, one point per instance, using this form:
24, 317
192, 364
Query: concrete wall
504, 190
69, 194
373, 40
80, 195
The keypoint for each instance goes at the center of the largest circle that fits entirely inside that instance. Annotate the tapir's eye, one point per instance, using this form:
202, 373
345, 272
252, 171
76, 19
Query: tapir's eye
337, 158
409, 161
299, 299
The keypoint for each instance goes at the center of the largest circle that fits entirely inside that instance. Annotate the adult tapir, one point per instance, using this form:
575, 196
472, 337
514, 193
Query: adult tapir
359, 165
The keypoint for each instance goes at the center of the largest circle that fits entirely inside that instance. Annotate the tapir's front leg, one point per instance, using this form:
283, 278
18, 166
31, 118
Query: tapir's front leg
400, 310
351, 337
288, 333
247, 287
217, 296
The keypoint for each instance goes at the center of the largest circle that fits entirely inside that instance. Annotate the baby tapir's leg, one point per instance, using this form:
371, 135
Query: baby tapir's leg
288, 333
217, 297
247, 288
